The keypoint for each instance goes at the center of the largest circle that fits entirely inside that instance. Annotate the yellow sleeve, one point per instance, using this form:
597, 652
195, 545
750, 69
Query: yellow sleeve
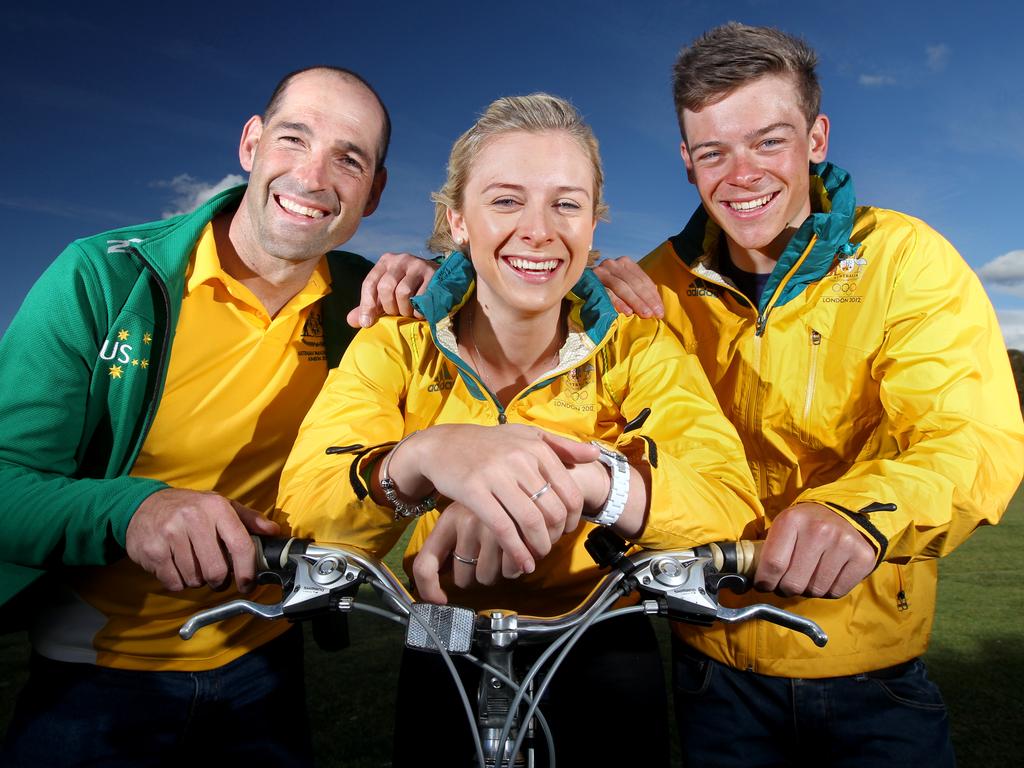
701, 489
355, 417
950, 446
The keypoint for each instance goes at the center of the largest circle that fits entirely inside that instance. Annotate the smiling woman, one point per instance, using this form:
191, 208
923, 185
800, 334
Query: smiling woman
487, 409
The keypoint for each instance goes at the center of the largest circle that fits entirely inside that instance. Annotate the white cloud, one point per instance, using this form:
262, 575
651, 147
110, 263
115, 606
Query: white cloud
190, 192
876, 81
938, 56
1012, 323
1005, 273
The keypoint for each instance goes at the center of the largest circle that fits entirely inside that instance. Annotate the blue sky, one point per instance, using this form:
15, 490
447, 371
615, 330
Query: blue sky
119, 113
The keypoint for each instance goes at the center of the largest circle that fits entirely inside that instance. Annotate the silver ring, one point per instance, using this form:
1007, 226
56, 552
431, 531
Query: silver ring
544, 489
466, 560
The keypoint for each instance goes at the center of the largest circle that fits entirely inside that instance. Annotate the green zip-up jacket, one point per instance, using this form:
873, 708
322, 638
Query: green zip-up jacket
70, 433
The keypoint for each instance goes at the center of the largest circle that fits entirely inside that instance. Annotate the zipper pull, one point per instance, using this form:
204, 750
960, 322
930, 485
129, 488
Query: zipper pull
638, 421
815, 337
502, 418
762, 320
877, 506
901, 601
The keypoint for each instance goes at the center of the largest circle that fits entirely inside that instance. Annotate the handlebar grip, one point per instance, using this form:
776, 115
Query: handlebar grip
740, 557
272, 552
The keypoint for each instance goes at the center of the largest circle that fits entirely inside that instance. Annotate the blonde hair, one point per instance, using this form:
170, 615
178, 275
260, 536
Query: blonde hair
535, 113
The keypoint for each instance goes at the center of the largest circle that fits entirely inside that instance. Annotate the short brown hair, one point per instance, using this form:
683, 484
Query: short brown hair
731, 55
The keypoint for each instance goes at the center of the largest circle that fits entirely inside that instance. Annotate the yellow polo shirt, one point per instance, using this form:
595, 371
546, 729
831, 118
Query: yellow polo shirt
238, 385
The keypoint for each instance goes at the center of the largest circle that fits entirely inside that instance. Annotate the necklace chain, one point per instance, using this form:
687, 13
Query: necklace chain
477, 356
474, 348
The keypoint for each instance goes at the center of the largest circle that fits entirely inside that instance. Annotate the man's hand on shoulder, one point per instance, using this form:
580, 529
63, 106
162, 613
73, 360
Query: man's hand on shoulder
191, 538
812, 551
389, 287
629, 287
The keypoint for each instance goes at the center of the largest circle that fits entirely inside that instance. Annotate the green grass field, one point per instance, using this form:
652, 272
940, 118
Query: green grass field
976, 656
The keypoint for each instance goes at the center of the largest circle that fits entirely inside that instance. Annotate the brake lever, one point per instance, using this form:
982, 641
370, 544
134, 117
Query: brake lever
316, 580
226, 611
778, 616
686, 587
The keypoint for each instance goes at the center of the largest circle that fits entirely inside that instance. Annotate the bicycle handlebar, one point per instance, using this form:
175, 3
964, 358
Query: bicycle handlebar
680, 584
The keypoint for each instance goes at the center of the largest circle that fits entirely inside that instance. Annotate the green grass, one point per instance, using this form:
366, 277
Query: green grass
977, 649
976, 656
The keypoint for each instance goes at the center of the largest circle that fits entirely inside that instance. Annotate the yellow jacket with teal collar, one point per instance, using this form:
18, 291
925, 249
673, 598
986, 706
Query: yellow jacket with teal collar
403, 375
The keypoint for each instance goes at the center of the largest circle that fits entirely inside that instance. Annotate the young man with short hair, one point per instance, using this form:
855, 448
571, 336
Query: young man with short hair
862, 364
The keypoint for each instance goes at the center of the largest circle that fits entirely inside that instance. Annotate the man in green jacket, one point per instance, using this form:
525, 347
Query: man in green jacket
155, 378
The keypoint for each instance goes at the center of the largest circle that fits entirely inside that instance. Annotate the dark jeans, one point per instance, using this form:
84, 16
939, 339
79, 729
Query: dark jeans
726, 717
253, 709
607, 703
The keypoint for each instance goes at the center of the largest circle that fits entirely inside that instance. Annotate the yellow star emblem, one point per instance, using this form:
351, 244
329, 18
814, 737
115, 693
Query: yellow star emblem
115, 371
147, 338
144, 363
135, 362
122, 335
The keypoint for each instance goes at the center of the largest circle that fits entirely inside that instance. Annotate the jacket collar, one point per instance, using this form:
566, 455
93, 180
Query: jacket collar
169, 250
829, 226
590, 320
454, 282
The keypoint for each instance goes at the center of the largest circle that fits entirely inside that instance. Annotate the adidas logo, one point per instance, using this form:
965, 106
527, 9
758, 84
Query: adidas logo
442, 382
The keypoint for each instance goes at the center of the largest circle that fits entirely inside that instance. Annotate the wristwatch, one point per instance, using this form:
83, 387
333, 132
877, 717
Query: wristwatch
618, 491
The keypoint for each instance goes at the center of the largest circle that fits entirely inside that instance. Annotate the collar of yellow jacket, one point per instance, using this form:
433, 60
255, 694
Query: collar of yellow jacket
590, 319
833, 203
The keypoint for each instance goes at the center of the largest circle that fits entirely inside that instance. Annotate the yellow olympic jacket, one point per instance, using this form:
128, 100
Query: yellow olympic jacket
873, 373
403, 375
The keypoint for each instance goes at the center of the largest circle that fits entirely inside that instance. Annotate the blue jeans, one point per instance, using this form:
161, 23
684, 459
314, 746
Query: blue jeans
728, 717
252, 710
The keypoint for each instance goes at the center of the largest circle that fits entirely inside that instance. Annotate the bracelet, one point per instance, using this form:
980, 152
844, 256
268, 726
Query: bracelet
403, 510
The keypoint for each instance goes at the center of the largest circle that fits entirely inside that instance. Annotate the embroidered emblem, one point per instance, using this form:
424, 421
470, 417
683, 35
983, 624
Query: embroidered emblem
575, 391
120, 352
846, 275
313, 336
313, 328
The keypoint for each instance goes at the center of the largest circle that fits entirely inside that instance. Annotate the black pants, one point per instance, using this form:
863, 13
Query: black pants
251, 711
606, 703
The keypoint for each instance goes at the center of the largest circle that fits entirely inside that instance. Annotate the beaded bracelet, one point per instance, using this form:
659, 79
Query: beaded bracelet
402, 509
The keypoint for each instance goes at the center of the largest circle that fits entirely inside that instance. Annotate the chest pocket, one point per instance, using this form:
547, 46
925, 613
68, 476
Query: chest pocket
836, 401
